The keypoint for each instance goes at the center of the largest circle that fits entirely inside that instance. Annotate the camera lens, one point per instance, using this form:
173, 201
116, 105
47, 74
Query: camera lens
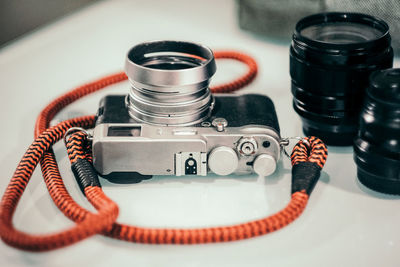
377, 146
169, 82
331, 58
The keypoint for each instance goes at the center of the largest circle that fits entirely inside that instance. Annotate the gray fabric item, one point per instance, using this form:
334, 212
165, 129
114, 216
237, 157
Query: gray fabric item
274, 18
277, 18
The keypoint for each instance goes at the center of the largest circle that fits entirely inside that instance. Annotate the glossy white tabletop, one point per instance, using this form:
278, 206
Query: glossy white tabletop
345, 224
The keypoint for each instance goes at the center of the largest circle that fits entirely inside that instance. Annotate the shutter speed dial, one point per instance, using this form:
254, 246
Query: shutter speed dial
223, 160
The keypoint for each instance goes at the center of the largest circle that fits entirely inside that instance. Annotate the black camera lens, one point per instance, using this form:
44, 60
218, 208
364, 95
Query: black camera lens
377, 146
331, 58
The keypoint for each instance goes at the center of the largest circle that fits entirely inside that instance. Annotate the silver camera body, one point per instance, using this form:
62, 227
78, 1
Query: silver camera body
171, 124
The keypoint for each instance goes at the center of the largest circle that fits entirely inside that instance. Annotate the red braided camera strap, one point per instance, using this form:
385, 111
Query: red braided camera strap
103, 222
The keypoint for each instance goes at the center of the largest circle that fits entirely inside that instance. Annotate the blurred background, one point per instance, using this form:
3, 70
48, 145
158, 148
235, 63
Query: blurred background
273, 19
18, 17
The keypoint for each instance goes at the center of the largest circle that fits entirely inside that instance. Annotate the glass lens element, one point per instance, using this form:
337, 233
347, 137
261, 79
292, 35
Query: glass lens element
341, 32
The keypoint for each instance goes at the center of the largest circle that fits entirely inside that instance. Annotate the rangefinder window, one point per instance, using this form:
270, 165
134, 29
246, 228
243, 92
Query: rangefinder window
124, 131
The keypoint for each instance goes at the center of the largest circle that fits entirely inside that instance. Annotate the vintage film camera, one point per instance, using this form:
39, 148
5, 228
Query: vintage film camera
171, 124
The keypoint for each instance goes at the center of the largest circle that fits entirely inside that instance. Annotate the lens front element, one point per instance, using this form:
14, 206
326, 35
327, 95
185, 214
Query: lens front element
341, 33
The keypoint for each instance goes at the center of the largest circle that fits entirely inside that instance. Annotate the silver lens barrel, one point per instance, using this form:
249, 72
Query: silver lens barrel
169, 82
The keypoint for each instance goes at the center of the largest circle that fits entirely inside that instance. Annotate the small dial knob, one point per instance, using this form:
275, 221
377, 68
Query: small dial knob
220, 124
264, 165
223, 160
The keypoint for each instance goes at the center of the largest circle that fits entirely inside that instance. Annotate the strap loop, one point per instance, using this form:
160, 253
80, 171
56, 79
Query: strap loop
74, 130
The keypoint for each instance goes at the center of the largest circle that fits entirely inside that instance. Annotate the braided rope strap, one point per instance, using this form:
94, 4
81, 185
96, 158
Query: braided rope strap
297, 204
103, 222
90, 225
308, 158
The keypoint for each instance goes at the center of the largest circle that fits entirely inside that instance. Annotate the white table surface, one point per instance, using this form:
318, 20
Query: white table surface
345, 224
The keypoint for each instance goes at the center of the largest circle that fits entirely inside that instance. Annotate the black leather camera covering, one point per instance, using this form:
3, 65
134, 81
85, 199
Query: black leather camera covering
238, 110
